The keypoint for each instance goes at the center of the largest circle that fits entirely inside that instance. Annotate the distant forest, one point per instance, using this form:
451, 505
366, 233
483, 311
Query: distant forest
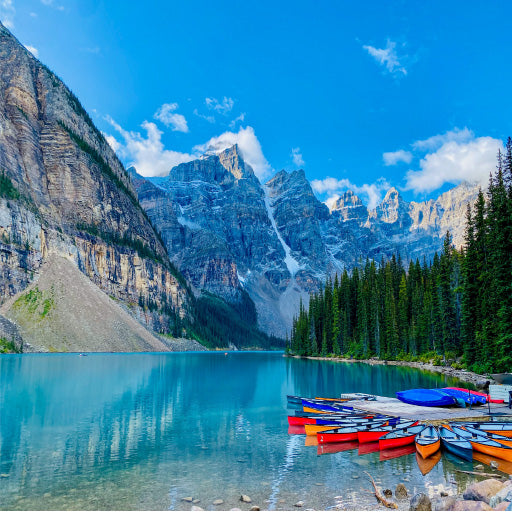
456, 308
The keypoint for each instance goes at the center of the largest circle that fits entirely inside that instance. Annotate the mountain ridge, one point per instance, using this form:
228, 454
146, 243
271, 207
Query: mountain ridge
302, 240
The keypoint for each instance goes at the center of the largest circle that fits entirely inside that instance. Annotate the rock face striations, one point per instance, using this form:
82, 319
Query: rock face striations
227, 232
65, 193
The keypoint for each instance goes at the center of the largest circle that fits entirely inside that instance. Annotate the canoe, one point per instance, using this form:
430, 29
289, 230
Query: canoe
507, 441
426, 397
336, 447
369, 436
394, 453
427, 465
312, 430
427, 442
318, 419
465, 395
338, 435
454, 443
400, 437
322, 406
478, 393
485, 445
494, 427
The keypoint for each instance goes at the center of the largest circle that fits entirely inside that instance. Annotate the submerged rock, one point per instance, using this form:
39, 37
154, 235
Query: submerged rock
401, 491
446, 503
245, 499
299, 504
218, 502
420, 502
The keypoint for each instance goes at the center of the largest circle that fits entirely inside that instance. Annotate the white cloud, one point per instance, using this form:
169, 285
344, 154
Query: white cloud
373, 193
387, 57
394, 157
249, 145
297, 157
113, 142
436, 141
210, 119
222, 107
240, 118
34, 51
33, 14
51, 3
146, 153
455, 161
167, 115
7, 13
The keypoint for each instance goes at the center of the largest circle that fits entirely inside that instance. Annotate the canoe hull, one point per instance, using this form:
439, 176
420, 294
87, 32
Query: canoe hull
426, 450
396, 442
462, 452
504, 453
425, 397
335, 437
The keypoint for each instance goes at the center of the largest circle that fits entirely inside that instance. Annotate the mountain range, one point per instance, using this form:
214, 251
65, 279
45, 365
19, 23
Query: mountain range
167, 255
229, 233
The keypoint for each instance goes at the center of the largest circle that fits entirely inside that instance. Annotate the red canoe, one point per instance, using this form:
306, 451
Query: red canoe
401, 437
369, 436
339, 435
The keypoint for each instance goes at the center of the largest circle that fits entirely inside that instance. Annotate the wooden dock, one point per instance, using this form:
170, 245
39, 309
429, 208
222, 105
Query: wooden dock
432, 415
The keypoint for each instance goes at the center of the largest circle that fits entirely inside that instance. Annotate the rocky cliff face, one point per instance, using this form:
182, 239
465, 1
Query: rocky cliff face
277, 241
72, 196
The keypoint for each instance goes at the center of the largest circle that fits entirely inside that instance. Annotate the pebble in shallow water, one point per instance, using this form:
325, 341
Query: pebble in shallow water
299, 504
188, 499
218, 502
245, 498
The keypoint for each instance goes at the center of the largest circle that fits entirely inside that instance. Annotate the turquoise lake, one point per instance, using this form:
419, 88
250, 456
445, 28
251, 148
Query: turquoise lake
144, 431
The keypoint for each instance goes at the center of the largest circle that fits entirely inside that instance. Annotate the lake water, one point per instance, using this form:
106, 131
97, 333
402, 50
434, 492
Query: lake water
143, 431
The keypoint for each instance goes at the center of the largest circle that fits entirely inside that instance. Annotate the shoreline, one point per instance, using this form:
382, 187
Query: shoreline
479, 381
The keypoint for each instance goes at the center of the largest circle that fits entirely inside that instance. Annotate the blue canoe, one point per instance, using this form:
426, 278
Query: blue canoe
426, 397
456, 444
467, 397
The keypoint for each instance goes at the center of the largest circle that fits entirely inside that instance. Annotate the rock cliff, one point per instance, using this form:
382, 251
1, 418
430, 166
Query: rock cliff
70, 196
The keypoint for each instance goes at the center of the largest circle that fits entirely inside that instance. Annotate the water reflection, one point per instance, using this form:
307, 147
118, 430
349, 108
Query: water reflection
141, 431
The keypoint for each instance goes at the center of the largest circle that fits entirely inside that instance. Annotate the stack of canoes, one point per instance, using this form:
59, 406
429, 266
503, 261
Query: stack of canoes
335, 426
442, 397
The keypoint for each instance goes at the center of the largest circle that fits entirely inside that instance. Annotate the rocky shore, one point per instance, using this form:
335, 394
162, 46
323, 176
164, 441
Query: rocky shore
479, 381
490, 494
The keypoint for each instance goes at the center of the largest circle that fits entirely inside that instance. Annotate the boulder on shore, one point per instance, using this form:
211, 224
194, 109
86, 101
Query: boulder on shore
468, 505
483, 491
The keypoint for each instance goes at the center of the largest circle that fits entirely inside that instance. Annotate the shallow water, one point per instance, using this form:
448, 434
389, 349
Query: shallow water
144, 431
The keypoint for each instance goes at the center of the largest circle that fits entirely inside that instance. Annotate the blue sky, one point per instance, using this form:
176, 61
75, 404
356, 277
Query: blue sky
360, 94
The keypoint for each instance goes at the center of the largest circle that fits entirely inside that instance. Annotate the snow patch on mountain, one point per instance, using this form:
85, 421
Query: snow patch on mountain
291, 263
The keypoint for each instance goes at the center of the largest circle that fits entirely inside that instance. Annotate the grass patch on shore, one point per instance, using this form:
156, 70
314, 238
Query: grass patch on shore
9, 347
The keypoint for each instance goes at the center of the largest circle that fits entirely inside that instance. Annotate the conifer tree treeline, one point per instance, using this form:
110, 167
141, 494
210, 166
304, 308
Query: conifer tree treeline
459, 305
